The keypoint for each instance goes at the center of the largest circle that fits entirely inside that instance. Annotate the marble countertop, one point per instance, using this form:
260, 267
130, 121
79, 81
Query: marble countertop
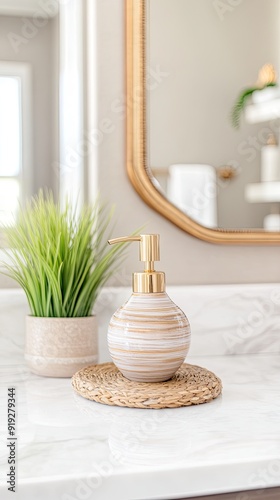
69, 448
73, 449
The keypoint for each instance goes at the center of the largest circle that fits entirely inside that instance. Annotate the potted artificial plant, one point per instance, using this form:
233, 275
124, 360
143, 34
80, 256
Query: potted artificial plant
61, 260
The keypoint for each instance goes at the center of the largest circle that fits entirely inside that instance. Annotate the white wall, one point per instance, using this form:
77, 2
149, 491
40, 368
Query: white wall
185, 259
210, 54
40, 50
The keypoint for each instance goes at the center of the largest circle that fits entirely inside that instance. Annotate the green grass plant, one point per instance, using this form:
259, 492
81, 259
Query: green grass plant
60, 257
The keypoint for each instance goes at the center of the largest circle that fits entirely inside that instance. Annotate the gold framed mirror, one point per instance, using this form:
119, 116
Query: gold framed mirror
138, 169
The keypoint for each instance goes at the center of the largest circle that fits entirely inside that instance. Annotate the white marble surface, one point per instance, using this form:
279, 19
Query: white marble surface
70, 448
73, 449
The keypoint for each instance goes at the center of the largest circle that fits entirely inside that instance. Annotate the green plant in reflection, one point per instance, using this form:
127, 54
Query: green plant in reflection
266, 78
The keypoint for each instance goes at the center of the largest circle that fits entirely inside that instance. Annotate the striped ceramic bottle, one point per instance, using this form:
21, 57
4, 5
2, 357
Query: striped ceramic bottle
149, 336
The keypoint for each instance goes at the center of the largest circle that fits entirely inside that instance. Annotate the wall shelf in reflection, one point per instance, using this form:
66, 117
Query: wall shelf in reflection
263, 192
263, 111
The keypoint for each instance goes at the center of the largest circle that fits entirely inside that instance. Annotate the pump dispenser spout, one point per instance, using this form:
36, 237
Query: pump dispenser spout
149, 281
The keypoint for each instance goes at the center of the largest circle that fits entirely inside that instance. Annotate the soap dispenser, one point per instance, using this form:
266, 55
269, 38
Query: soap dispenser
149, 336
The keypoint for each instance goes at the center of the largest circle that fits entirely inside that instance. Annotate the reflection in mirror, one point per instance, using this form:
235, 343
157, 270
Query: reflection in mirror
41, 100
29, 50
11, 132
203, 54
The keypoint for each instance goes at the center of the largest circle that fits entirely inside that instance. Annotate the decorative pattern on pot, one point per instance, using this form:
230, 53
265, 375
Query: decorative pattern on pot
58, 347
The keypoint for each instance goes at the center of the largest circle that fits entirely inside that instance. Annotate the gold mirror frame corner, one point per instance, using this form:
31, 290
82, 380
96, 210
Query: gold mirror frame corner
137, 168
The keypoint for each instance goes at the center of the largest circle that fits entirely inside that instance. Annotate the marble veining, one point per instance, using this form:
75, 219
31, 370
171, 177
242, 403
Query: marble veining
224, 319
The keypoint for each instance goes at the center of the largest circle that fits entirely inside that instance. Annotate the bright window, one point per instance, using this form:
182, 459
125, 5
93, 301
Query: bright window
10, 129
15, 136
10, 146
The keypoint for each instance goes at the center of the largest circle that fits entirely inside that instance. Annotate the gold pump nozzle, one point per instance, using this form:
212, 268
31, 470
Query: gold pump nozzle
149, 281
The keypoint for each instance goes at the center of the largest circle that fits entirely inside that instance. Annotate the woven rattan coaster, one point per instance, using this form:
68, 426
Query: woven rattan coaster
191, 385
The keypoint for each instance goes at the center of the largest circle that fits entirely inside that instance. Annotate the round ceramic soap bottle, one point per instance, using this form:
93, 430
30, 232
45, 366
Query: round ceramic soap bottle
149, 336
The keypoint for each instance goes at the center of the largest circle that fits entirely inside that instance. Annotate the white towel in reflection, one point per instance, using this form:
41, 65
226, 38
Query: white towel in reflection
193, 189
272, 222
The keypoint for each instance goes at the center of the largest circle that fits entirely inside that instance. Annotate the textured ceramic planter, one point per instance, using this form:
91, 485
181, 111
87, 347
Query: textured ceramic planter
58, 347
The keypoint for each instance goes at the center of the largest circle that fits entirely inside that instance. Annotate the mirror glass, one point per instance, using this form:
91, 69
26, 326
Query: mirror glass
200, 55
42, 75
29, 81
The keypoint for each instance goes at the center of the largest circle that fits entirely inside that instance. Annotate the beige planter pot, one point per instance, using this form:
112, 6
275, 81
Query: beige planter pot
58, 347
